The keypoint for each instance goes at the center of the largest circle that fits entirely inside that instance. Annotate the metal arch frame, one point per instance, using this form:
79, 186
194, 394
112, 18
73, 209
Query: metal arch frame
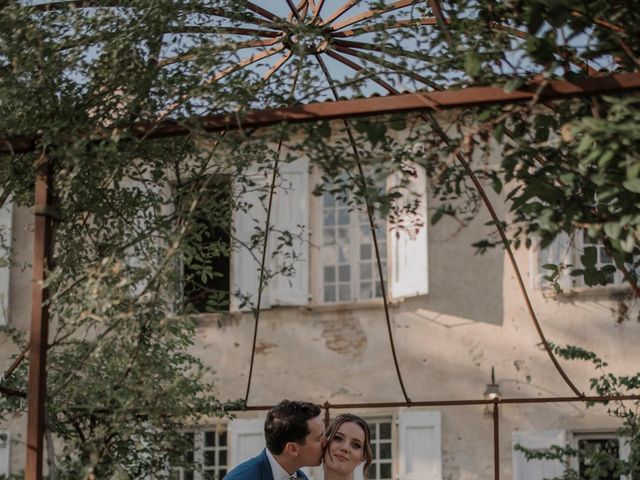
425, 103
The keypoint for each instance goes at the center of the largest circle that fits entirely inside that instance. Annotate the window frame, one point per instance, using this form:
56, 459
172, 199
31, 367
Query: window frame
316, 220
200, 449
578, 435
570, 249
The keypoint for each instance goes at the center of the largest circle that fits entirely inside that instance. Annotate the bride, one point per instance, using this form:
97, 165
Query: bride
348, 445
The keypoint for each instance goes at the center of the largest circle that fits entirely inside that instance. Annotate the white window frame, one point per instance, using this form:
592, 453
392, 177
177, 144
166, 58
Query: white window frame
623, 447
565, 250
374, 423
399, 260
199, 450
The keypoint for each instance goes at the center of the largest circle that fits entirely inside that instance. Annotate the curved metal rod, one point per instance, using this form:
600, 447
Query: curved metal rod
507, 245
246, 62
427, 117
261, 11
375, 12
317, 8
384, 63
372, 227
385, 26
217, 49
340, 11
266, 238
393, 51
274, 177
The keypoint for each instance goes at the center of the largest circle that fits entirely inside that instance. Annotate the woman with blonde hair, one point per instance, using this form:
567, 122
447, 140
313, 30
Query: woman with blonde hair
348, 445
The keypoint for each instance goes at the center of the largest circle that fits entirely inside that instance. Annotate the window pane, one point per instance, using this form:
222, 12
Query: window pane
343, 216
188, 475
209, 439
210, 458
329, 293
345, 293
329, 274
222, 457
328, 200
365, 290
385, 471
222, 472
329, 237
222, 438
385, 430
365, 271
343, 254
344, 273
365, 252
329, 218
385, 450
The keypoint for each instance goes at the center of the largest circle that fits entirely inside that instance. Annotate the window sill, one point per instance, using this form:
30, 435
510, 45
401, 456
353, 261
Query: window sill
375, 304
600, 291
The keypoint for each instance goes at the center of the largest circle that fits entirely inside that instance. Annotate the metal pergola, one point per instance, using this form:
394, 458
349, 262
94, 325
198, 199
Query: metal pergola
277, 38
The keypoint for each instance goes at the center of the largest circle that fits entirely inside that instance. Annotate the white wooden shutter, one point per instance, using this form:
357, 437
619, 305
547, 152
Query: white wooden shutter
5, 266
5, 457
536, 440
557, 252
291, 213
246, 437
420, 445
408, 242
245, 263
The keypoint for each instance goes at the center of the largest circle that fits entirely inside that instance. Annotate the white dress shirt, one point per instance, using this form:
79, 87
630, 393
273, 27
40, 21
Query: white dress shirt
278, 472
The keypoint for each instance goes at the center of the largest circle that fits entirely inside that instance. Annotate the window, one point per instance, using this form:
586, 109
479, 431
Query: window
209, 454
206, 252
349, 267
573, 251
584, 442
598, 450
381, 448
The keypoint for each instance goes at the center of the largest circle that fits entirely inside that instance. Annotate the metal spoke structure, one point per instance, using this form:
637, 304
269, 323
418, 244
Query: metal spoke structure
334, 41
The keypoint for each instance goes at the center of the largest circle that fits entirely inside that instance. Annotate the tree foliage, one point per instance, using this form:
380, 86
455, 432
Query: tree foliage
74, 76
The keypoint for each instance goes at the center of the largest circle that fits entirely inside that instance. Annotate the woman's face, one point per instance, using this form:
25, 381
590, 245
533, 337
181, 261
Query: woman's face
346, 450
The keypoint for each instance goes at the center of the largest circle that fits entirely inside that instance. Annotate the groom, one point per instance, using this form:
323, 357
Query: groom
295, 438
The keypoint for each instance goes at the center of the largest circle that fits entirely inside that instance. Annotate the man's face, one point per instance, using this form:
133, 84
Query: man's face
310, 452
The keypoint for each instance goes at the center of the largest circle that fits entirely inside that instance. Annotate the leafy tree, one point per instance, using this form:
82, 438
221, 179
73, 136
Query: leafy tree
74, 77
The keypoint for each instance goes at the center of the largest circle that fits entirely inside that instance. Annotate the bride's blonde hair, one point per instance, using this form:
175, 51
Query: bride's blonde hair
346, 418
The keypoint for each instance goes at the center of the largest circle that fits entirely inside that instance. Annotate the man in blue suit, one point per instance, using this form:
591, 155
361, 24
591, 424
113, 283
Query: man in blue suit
295, 438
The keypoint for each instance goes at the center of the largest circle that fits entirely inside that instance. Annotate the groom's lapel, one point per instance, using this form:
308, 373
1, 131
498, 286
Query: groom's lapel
265, 466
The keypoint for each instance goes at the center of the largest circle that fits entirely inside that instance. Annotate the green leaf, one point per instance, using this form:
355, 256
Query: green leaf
612, 229
376, 132
589, 257
633, 185
513, 85
473, 64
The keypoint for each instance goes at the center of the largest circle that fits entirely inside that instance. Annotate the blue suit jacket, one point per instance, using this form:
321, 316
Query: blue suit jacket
257, 468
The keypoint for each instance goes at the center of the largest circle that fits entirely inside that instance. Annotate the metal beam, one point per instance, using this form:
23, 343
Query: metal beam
37, 389
403, 103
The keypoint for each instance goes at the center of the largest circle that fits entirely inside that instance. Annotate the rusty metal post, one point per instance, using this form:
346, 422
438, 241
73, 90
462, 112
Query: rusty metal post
496, 440
39, 319
327, 414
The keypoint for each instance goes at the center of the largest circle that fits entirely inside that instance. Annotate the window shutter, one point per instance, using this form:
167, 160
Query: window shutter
246, 440
245, 261
420, 445
6, 212
408, 241
5, 457
557, 252
291, 213
536, 440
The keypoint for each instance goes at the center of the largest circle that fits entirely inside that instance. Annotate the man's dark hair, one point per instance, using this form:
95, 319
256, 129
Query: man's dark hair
287, 422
